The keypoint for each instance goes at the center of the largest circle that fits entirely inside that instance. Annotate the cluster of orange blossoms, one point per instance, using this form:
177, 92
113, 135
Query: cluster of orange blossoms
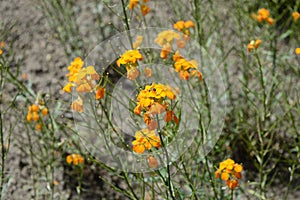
296, 16
33, 114
145, 139
145, 9
153, 100
185, 68
84, 80
2, 45
165, 38
183, 26
129, 59
253, 44
230, 172
263, 15
75, 159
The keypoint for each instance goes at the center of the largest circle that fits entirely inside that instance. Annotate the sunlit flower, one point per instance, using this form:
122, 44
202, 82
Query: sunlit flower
130, 57
144, 140
230, 172
297, 51
296, 16
73, 68
75, 159
253, 44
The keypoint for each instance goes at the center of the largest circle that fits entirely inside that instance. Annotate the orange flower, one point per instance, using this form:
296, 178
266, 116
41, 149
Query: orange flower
253, 44
35, 116
165, 40
230, 172
183, 26
297, 51
145, 9
296, 16
75, 159
44, 111
1, 51
100, 93
34, 108
263, 15
133, 4
29, 117
145, 139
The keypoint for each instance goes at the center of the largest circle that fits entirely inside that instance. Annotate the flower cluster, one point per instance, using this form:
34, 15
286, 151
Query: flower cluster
263, 15
75, 159
33, 115
296, 16
165, 40
145, 9
129, 59
186, 68
230, 172
183, 26
145, 139
253, 44
84, 79
153, 100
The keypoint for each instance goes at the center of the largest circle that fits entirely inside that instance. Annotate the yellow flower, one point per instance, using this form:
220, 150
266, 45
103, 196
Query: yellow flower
145, 139
253, 44
297, 51
1, 51
133, 4
68, 87
296, 16
230, 172
130, 57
